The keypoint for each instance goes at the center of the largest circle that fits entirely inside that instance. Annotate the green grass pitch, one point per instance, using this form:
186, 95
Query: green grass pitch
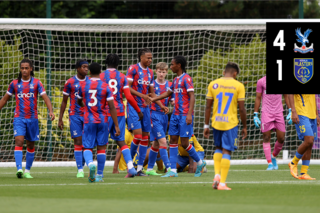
253, 190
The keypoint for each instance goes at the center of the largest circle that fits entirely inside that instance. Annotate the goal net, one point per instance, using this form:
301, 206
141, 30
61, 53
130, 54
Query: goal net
55, 48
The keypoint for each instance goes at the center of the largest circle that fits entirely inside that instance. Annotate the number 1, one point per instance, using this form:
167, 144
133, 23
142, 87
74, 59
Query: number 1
279, 62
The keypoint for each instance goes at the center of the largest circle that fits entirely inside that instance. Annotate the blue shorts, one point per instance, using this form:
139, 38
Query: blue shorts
183, 161
76, 125
159, 125
29, 128
133, 119
122, 127
95, 135
226, 139
306, 127
178, 126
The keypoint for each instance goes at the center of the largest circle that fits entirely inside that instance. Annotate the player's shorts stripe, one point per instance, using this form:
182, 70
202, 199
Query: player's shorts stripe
109, 99
130, 79
190, 90
9, 93
43, 93
65, 93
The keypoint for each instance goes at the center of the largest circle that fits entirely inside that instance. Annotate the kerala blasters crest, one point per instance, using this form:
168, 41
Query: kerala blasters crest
303, 69
303, 39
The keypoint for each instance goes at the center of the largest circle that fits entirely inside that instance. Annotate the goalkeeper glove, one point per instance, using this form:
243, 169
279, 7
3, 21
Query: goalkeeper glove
289, 119
256, 120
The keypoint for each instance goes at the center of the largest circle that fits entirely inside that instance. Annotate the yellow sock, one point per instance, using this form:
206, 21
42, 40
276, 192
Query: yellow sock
304, 169
217, 163
225, 165
295, 160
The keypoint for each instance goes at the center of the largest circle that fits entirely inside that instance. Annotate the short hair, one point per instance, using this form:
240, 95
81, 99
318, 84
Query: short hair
112, 60
162, 66
142, 52
95, 68
80, 62
232, 65
25, 60
179, 59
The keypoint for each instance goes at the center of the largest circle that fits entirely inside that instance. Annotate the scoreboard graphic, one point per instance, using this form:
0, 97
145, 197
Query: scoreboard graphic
293, 58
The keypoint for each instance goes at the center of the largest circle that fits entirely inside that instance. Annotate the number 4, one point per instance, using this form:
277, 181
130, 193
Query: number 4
278, 42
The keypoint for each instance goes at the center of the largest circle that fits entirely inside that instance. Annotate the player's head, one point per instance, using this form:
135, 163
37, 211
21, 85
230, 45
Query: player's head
82, 67
95, 68
178, 63
26, 69
232, 69
145, 57
112, 61
161, 70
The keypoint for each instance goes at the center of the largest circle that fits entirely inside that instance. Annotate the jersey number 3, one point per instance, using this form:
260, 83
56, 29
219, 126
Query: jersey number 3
220, 97
93, 97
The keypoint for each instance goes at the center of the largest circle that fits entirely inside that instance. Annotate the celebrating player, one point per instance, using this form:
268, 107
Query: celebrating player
95, 94
25, 123
272, 119
306, 119
141, 83
181, 122
225, 94
75, 111
159, 121
119, 84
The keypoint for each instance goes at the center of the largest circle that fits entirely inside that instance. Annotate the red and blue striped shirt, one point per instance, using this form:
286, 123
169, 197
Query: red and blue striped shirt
158, 90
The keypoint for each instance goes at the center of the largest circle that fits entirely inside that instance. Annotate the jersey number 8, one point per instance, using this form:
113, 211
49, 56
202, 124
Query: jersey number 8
113, 85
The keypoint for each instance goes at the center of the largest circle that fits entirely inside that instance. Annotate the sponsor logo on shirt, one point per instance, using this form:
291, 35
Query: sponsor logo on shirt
143, 82
215, 86
178, 90
25, 95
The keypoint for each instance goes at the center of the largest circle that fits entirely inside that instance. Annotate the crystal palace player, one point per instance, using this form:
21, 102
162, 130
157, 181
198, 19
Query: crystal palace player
225, 94
75, 111
95, 94
141, 83
181, 122
306, 119
25, 124
119, 84
272, 119
159, 121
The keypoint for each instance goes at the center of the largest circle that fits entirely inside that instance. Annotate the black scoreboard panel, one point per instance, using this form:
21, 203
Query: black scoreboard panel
293, 58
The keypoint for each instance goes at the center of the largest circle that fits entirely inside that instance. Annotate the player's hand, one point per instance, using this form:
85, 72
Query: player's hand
140, 114
60, 124
256, 120
52, 116
206, 132
189, 119
289, 117
147, 99
318, 121
117, 131
165, 109
244, 133
295, 118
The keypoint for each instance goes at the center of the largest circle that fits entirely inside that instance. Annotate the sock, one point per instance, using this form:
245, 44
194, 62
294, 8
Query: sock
29, 158
134, 145
127, 156
142, 152
225, 165
193, 154
296, 158
304, 167
267, 151
277, 148
173, 157
87, 154
164, 156
152, 158
18, 157
78, 156
101, 159
217, 161
83, 160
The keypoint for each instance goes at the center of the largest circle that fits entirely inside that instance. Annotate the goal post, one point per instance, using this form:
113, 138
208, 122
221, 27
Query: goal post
207, 45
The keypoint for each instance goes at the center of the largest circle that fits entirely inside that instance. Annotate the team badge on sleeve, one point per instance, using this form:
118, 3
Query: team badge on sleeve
303, 69
303, 39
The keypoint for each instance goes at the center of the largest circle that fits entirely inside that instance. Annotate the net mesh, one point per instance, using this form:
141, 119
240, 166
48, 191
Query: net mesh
207, 49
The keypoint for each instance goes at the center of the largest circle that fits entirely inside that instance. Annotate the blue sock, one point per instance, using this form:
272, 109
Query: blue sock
192, 152
226, 156
142, 154
126, 153
83, 160
78, 156
164, 157
18, 157
152, 157
305, 162
87, 154
299, 155
101, 159
173, 155
133, 149
29, 158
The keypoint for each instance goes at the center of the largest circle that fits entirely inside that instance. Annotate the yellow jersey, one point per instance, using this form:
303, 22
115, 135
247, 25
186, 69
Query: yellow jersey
226, 92
305, 105
128, 140
194, 141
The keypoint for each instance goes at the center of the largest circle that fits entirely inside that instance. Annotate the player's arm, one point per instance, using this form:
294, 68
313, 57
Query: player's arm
132, 102
318, 119
206, 131
4, 100
153, 95
62, 109
191, 107
113, 112
294, 115
243, 116
257, 103
80, 102
286, 99
162, 96
48, 103
136, 93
